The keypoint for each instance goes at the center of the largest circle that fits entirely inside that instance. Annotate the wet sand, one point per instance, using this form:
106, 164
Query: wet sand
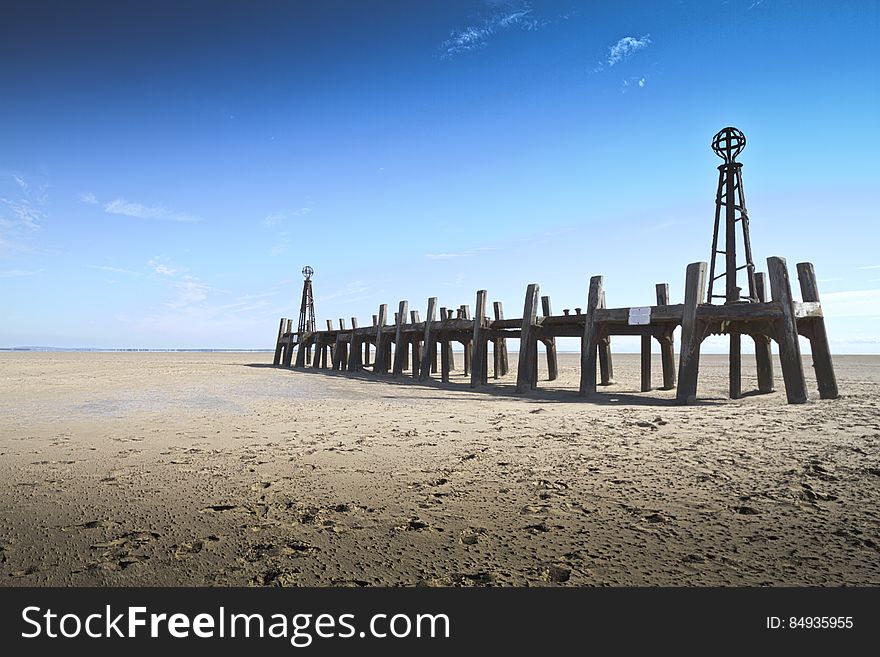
121, 469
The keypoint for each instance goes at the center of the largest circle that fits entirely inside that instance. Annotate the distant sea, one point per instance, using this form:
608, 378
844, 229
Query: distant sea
134, 349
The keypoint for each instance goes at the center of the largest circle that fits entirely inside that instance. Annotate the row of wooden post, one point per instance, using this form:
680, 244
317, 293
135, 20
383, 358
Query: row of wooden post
763, 321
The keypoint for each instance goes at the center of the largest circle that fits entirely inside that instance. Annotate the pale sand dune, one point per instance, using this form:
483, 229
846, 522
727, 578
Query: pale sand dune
216, 469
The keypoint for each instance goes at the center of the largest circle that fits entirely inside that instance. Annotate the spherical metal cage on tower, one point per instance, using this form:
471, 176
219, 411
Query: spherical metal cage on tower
728, 143
307, 272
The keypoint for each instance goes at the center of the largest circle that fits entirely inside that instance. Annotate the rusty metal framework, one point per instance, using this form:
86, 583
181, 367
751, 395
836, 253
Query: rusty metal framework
727, 144
307, 306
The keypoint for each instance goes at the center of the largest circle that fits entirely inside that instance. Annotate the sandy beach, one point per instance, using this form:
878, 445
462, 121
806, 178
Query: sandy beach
202, 469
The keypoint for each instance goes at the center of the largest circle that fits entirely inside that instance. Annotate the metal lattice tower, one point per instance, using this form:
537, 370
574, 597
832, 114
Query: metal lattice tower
307, 306
730, 198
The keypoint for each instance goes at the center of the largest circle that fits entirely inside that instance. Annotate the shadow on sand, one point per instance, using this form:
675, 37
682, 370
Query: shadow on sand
495, 389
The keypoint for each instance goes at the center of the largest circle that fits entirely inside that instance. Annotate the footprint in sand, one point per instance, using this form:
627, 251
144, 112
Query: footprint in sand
91, 524
275, 577
470, 535
222, 508
118, 552
555, 574
290, 548
414, 525
184, 550
462, 580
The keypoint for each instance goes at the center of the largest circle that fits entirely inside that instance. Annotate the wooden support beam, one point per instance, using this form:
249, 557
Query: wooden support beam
735, 365
646, 363
430, 343
467, 349
329, 324
480, 342
786, 332
606, 368
822, 363
667, 348
416, 346
288, 348
501, 360
446, 361
446, 345
341, 323
301, 351
550, 344
528, 347
324, 349
400, 339
276, 361
381, 363
316, 359
691, 334
355, 353
589, 341
337, 354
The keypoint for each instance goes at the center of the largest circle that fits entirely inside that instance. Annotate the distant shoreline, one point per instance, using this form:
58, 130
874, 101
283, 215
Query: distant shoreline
98, 349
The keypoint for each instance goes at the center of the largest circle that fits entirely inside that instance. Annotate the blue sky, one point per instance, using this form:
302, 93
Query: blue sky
167, 168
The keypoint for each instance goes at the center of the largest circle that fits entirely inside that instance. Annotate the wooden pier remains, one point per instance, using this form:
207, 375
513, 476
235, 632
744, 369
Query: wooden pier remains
412, 346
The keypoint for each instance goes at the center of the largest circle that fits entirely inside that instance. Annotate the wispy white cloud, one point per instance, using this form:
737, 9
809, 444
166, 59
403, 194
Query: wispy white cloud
126, 208
460, 254
115, 270
504, 15
162, 266
23, 213
278, 218
261, 295
352, 291
16, 273
189, 292
626, 47
20, 214
756, 3
633, 83
852, 303
87, 197
869, 267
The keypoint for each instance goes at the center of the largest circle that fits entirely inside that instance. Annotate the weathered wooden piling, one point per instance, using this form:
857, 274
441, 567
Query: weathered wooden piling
763, 354
667, 349
429, 355
646, 362
689, 356
814, 330
549, 344
589, 341
416, 345
400, 347
279, 345
380, 365
528, 348
499, 345
787, 334
480, 342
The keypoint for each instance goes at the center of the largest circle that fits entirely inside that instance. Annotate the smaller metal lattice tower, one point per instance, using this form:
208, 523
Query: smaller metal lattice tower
307, 306
730, 198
